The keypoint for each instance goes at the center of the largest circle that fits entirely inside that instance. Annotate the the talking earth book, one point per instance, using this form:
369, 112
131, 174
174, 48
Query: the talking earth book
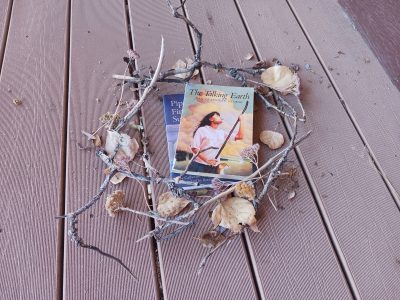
216, 125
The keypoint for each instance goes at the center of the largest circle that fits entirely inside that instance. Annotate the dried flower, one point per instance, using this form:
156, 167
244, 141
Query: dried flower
114, 202
107, 117
245, 190
250, 153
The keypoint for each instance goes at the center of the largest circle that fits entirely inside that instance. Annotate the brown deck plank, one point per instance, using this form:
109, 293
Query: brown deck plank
357, 207
379, 25
5, 10
292, 254
98, 43
361, 82
181, 255
33, 72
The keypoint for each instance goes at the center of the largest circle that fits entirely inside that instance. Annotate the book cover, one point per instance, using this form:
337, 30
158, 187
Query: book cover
216, 124
172, 114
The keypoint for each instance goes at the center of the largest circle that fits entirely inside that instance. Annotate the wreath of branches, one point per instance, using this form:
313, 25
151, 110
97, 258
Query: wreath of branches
264, 176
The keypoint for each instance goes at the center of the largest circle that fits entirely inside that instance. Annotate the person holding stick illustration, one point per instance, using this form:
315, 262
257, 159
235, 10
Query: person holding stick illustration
206, 135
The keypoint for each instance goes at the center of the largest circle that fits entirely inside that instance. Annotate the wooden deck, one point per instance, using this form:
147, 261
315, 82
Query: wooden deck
338, 239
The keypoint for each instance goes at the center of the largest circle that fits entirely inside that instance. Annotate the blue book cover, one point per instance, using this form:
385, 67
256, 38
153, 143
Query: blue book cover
172, 114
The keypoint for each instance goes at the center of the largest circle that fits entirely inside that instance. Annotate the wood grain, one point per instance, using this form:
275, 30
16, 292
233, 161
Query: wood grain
180, 256
379, 25
32, 72
98, 43
362, 84
357, 208
5, 14
292, 254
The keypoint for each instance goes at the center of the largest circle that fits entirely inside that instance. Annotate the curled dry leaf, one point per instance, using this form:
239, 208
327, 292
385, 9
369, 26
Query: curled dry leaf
245, 190
272, 139
180, 64
233, 213
114, 202
97, 141
282, 79
169, 205
249, 56
211, 239
127, 146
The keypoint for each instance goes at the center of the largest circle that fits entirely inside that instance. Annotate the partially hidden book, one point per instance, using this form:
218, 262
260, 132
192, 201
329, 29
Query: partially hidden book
172, 114
216, 124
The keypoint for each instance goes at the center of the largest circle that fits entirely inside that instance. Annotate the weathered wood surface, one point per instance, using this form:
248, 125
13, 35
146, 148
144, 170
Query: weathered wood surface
338, 238
98, 42
180, 256
360, 213
364, 88
33, 72
284, 253
5, 13
379, 25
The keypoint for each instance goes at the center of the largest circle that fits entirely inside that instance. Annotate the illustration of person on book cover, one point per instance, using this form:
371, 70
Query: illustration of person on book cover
216, 124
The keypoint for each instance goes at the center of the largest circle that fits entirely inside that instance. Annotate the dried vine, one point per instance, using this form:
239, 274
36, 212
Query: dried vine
272, 98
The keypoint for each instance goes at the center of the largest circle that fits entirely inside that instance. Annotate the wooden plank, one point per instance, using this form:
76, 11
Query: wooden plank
180, 256
5, 12
358, 78
293, 252
98, 43
378, 24
358, 210
32, 72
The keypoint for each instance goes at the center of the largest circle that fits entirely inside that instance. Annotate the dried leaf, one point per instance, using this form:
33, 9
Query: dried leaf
272, 139
180, 64
212, 239
282, 79
114, 202
291, 195
97, 141
127, 146
245, 190
249, 56
233, 213
169, 205
117, 178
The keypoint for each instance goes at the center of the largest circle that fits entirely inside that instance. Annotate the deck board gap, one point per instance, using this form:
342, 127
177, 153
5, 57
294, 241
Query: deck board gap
154, 252
5, 33
379, 169
311, 185
63, 157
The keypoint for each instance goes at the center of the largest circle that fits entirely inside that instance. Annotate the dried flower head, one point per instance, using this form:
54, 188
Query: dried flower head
108, 116
250, 153
114, 202
245, 190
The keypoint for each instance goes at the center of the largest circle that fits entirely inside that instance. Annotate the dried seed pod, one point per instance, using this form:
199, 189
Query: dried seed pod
245, 190
272, 139
114, 202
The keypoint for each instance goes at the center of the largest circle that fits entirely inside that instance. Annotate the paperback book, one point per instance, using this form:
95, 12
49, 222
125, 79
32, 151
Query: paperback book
172, 115
216, 124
